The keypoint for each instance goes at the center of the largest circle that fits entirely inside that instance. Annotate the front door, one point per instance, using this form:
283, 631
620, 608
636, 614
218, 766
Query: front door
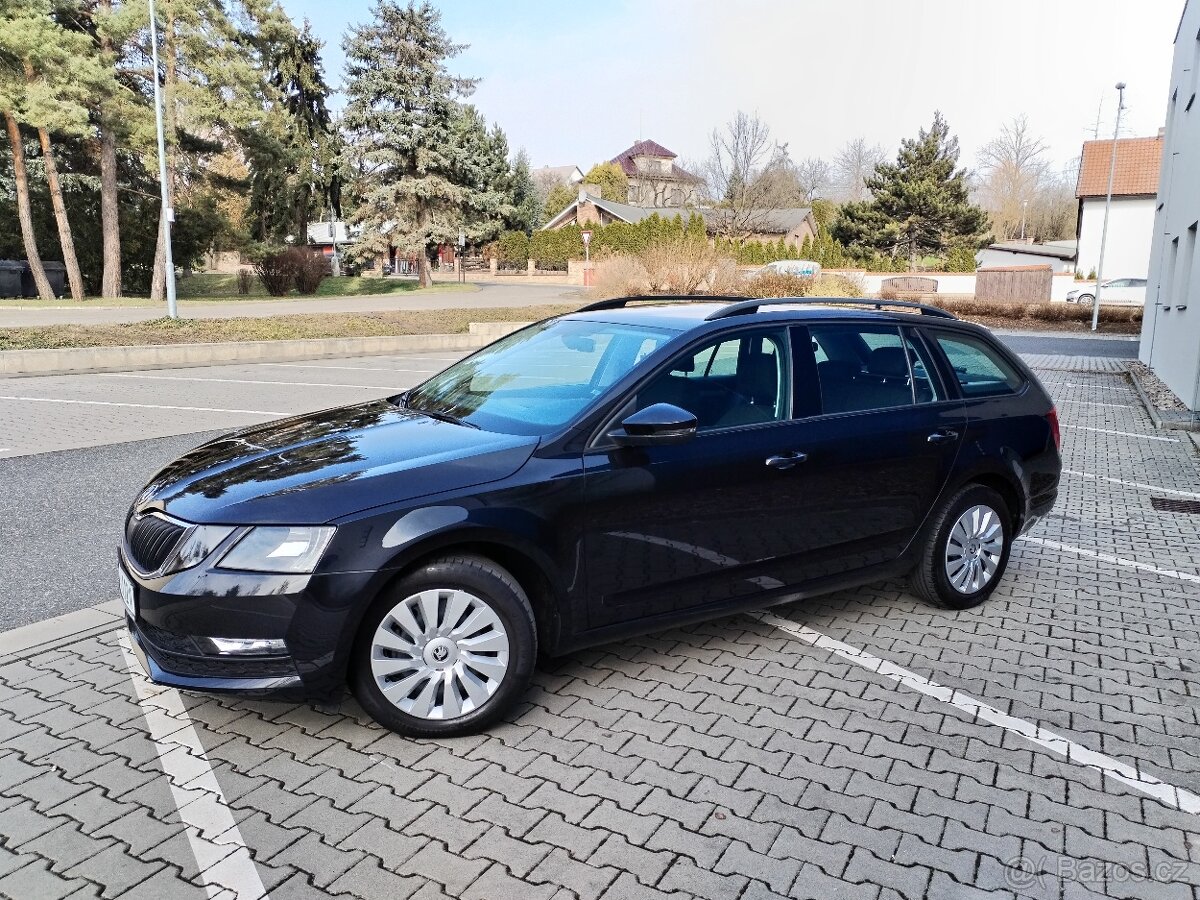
704, 522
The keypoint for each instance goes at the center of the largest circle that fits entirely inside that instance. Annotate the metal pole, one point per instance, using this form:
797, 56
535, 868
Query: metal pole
168, 214
1024, 209
1112, 169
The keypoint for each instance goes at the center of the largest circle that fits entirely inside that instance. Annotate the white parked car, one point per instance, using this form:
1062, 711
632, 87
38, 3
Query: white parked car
804, 267
1123, 291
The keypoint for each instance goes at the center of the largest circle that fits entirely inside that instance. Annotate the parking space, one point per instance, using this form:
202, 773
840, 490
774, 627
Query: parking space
861, 745
61, 412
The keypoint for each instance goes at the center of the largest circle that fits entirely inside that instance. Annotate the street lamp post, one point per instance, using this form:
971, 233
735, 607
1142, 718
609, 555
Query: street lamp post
1112, 170
168, 214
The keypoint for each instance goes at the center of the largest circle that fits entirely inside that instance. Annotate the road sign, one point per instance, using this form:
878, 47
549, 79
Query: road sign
587, 238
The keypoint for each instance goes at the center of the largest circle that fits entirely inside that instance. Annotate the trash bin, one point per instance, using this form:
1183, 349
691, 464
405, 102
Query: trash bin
56, 274
10, 277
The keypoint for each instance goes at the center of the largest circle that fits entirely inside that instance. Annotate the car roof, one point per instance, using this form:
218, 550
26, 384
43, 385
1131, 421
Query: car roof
684, 315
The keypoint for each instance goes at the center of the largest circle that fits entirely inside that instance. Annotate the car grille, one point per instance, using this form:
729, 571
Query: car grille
151, 539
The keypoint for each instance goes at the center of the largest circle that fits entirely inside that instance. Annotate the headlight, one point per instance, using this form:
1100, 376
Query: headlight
200, 541
285, 550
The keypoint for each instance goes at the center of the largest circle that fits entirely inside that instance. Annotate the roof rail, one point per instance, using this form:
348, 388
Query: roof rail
620, 302
744, 307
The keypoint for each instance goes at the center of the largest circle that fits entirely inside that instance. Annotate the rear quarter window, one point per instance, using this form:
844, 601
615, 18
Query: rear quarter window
980, 369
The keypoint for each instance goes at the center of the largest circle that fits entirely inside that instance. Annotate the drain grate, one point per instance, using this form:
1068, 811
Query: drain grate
1169, 504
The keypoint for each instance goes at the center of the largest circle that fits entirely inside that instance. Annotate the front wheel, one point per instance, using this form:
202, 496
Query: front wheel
966, 550
1087, 301
447, 650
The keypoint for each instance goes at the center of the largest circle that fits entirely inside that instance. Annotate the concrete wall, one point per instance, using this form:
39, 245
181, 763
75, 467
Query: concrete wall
1171, 328
1130, 229
948, 282
988, 258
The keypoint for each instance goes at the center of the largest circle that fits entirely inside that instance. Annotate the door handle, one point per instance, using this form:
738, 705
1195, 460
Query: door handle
942, 436
786, 460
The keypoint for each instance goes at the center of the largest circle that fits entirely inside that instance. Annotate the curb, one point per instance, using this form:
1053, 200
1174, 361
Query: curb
82, 360
1156, 416
37, 637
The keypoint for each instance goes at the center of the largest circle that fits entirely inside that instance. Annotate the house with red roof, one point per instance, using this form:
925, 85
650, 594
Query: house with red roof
655, 180
1131, 220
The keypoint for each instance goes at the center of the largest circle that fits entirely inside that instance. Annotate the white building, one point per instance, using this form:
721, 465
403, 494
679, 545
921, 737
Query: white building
1131, 223
1058, 255
1171, 328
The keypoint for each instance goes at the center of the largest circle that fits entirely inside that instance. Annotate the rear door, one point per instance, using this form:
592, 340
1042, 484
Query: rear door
879, 450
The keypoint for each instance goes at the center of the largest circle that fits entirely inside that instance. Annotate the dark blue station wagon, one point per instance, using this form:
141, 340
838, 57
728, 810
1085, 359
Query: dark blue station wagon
628, 467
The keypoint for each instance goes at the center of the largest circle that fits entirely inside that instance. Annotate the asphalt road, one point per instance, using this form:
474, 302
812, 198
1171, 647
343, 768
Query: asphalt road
68, 468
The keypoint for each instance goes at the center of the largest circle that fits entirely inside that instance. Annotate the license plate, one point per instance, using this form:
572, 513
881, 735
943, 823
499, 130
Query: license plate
128, 594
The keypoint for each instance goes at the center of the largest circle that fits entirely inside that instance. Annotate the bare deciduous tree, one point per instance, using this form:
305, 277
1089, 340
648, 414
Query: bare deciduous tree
1015, 183
741, 153
853, 164
815, 177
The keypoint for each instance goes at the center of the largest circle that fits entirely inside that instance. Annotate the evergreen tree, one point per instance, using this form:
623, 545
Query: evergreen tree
523, 194
400, 117
614, 183
289, 150
919, 205
558, 198
480, 169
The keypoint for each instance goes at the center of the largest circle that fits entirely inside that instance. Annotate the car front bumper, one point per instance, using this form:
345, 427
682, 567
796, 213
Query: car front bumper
308, 617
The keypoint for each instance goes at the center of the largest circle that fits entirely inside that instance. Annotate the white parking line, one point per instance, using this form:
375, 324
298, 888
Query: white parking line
1114, 560
365, 387
1124, 773
1094, 403
249, 412
221, 854
1145, 437
1136, 484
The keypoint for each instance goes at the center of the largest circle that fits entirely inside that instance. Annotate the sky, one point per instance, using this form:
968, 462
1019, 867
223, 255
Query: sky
577, 83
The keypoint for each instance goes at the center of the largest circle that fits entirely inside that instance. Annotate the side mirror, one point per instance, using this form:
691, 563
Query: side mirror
661, 423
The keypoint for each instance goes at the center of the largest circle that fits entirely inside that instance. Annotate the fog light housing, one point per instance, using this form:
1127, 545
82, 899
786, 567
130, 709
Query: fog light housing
247, 646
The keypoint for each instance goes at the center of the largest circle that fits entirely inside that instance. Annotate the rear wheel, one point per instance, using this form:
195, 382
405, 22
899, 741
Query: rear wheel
447, 650
966, 549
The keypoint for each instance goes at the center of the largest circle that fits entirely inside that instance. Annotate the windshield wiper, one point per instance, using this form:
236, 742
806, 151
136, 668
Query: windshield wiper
441, 416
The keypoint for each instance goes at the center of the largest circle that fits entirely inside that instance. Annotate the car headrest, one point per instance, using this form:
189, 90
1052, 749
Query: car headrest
889, 362
838, 369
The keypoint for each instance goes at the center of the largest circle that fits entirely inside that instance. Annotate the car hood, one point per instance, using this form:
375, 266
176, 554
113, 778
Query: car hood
319, 467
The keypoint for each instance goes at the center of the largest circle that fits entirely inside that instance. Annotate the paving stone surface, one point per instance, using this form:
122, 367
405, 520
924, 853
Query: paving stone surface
726, 760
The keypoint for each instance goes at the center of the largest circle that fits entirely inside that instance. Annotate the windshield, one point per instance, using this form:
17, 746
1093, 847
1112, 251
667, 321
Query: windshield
539, 378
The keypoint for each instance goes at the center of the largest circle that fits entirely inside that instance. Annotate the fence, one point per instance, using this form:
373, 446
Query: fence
1014, 284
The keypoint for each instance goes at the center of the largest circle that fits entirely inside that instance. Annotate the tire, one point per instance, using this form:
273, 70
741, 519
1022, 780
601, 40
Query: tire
932, 579
1087, 301
411, 667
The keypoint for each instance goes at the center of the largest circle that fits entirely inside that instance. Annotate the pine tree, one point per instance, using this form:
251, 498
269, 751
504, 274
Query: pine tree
401, 114
527, 214
919, 205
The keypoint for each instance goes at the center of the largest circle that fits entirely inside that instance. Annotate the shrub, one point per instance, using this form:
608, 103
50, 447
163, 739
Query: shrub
961, 259
726, 278
678, 265
245, 280
620, 276
513, 249
311, 269
277, 271
779, 284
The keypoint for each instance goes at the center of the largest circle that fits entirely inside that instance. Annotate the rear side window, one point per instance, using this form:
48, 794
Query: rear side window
980, 369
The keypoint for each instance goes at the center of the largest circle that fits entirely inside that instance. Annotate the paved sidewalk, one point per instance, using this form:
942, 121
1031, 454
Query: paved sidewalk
861, 746
486, 296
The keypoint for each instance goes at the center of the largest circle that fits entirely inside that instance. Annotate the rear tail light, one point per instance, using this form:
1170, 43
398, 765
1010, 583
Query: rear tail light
1052, 419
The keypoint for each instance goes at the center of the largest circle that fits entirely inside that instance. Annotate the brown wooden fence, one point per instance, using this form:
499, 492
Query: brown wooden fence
1014, 284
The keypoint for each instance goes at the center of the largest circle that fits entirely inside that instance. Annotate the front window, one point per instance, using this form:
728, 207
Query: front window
737, 380
539, 378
